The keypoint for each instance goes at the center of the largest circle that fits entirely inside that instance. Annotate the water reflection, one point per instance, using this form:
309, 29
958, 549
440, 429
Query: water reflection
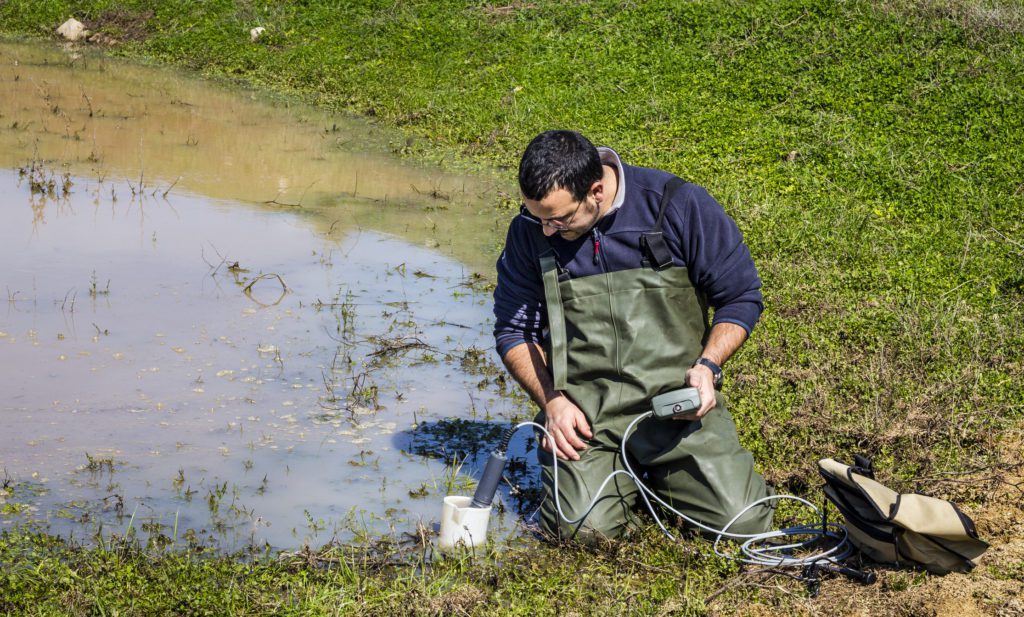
103, 118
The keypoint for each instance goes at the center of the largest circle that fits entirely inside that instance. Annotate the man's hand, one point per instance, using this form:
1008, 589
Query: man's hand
724, 340
700, 377
564, 421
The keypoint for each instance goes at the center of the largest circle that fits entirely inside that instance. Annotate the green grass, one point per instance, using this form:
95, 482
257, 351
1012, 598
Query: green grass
50, 576
869, 150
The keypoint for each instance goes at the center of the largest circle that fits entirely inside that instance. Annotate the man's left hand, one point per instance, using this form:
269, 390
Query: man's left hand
700, 377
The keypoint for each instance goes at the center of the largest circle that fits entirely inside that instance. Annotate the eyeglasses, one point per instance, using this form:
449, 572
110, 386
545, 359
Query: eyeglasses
560, 223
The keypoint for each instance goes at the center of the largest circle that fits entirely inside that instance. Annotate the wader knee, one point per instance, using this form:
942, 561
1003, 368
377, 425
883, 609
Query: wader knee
578, 482
609, 519
756, 520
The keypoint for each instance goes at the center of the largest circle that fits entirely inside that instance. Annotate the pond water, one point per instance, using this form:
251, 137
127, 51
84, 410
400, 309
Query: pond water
229, 319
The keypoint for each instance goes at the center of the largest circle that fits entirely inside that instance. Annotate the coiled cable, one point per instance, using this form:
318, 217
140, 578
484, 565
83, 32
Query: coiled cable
761, 549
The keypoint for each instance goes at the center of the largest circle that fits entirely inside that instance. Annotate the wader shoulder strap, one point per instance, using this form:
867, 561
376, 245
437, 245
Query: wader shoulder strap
550, 274
652, 243
556, 320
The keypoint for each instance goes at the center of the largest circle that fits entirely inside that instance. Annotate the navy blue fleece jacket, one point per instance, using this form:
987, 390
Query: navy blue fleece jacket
700, 235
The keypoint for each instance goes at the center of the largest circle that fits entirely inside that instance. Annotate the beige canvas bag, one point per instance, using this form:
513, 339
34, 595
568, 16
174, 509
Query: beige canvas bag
902, 529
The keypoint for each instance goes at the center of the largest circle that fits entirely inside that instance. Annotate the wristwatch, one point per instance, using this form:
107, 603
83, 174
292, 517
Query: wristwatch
716, 371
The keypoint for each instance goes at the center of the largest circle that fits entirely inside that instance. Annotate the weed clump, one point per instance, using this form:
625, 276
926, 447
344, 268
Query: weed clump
97, 464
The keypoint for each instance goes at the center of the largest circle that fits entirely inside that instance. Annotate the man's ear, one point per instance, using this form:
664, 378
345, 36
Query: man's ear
597, 190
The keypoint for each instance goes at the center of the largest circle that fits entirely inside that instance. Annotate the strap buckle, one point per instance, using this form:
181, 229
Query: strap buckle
655, 250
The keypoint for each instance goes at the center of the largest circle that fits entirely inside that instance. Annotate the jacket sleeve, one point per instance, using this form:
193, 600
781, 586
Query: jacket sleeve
718, 260
519, 314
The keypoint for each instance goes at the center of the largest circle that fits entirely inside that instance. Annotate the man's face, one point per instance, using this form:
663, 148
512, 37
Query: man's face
560, 214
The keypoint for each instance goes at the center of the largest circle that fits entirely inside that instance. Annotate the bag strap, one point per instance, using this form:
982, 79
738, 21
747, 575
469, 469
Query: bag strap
863, 465
655, 251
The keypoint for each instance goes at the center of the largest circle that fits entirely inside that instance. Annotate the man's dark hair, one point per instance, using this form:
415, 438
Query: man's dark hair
559, 159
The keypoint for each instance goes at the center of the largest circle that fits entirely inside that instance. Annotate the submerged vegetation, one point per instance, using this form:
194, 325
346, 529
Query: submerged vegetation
870, 152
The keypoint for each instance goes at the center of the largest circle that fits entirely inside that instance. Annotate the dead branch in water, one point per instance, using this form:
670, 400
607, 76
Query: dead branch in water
275, 202
271, 275
213, 269
164, 194
398, 345
247, 290
434, 194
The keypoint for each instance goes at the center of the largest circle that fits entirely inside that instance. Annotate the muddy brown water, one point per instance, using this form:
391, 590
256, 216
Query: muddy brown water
228, 316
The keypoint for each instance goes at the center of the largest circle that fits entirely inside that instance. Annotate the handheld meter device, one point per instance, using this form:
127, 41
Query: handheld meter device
675, 403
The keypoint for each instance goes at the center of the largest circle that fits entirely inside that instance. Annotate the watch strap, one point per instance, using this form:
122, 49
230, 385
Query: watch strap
716, 371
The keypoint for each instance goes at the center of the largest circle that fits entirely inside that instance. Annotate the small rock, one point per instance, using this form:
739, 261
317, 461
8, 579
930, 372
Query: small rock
256, 33
72, 30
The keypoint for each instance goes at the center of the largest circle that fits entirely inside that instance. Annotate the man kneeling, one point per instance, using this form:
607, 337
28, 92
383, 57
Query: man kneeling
601, 304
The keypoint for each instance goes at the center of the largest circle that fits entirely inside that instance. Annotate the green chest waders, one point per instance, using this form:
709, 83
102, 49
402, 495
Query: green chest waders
616, 340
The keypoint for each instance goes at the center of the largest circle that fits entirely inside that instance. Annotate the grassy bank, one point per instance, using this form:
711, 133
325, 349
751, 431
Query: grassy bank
870, 151
43, 575
48, 576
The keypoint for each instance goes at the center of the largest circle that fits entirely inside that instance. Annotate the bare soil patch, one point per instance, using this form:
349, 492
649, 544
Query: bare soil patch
118, 25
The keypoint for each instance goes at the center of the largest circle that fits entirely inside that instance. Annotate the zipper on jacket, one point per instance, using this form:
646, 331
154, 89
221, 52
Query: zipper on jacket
597, 244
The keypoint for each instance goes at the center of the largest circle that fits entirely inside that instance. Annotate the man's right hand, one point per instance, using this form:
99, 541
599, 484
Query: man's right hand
565, 422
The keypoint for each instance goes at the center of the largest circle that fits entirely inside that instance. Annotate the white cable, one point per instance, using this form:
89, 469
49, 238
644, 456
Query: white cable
754, 549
